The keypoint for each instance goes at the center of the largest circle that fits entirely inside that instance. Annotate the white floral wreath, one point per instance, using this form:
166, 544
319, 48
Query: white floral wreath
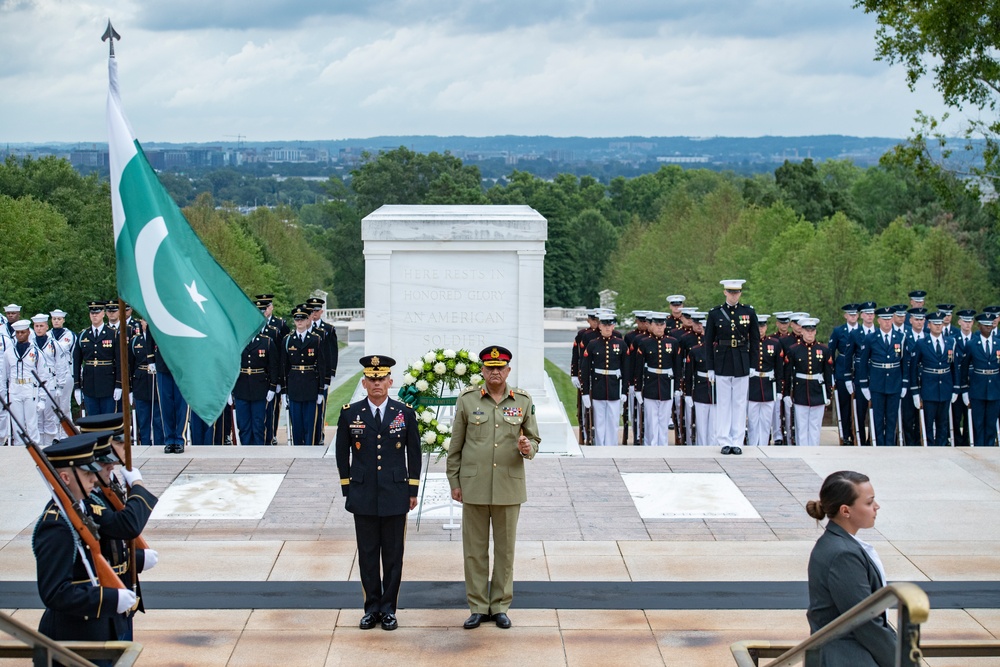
424, 384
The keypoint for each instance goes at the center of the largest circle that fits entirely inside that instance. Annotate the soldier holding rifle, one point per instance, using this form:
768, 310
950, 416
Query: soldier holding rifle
841, 348
934, 381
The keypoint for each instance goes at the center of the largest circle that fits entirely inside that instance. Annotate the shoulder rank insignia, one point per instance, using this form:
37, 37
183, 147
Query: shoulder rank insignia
96, 509
346, 406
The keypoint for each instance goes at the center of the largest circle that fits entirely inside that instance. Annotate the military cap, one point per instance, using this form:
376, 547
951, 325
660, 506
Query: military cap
261, 304
21, 325
675, 299
886, 312
265, 297
936, 317
58, 313
867, 306
607, 317
732, 284
315, 303
968, 314
12, 308
918, 313
592, 313
762, 318
992, 310
783, 316
39, 318
850, 308
301, 312
494, 355
657, 317
699, 316
900, 308
76, 451
985, 318
918, 295
103, 451
108, 421
797, 317
111, 305
946, 308
95, 306
640, 315
688, 310
808, 322
377, 365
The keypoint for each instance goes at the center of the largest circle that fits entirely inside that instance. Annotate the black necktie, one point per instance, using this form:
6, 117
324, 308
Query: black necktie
937, 345
378, 417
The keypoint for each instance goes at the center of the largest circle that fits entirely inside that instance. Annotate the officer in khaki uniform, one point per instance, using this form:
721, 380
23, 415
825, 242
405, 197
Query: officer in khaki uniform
493, 433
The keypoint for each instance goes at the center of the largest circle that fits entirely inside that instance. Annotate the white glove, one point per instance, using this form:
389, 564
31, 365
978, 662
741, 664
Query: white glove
270, 396
965, 398
954, 397
916, 401
58, 392
118, 394
150, 559
277, 390
576, 381
229, 401
631, 392
152, 369
624, 398
131, 401
866, 393
78, 395
126, 600
586, 401
788, 401
902, 394
131, 476
777, 397
689, 400
849, 386
678, 393
711, 376
319, 399
638, 397
40, 404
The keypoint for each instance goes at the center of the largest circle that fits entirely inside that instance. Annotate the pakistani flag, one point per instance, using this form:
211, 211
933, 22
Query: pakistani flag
200, 318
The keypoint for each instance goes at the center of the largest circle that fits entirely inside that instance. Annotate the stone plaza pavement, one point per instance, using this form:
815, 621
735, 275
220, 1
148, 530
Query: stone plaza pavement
597, 583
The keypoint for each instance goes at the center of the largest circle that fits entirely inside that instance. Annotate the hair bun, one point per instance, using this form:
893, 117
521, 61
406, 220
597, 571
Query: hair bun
815, 510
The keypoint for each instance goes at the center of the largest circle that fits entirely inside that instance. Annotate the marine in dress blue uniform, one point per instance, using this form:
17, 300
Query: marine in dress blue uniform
304, 370
882, 373
933, 380
260, 374
630, 372
841, 347
981, 377
701, 396
766, 382
809, 373
378, 456
657, 368
96, 364
601, 373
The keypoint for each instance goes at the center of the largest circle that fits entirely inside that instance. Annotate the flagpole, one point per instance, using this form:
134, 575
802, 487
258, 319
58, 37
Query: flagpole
126, 381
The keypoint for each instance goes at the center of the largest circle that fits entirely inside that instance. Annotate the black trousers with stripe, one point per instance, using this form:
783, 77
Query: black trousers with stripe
380, 559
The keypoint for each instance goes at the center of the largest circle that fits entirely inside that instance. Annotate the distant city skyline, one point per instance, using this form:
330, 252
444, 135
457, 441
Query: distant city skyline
280, 70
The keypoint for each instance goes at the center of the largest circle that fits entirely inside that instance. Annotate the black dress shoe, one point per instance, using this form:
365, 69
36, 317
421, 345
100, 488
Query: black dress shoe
727, 450
368, 621
736, 450
389, 622
778, 443
474, 620
501, 620
168, 449
179, 449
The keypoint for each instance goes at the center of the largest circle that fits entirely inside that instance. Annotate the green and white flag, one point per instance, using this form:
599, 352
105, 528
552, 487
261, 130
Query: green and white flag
199, 316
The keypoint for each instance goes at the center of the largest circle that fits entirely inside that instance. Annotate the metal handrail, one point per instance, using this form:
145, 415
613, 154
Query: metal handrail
33, 644
914, 608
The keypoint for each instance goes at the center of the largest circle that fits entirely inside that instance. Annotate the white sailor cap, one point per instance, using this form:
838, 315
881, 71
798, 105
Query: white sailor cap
58, 313
675, 298
39, 318
12, 308
808, 322
762, 318
732, 284
21, 325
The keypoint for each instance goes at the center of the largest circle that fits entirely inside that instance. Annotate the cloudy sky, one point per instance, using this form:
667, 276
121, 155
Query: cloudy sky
206, 70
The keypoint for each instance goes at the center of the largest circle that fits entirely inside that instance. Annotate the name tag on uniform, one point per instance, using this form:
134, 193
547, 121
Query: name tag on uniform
478, 412
357, 428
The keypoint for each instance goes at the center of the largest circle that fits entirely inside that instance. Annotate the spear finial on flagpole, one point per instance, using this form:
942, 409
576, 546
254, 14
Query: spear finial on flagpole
110, 36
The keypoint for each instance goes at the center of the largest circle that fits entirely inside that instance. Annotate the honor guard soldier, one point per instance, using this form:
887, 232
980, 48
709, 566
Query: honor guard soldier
142, 362
114, 317
947, 310
601, 372
674, 320
899, 317
694, 329
260, 374
980, 375
882, 374
4, 417
378, 456
917, 299
77, 608
658, 369
810, 375
841, 347
21, 358
731, 334
331, 352
13, 313
785, 338
48, 421
933, 381
861, 411
66, 341
97, 380
959, 411
765, 386
700, 399
909, 412
583, 336
173, 406
305, 374
277, 329
629, 374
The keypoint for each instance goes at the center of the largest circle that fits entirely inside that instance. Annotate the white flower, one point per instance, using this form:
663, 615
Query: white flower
460, 369
440, 368
429, 437
449, 354
422, 385
444, 428
476, 379
427, 416
408, 379
430, 357
417, 366
446, 444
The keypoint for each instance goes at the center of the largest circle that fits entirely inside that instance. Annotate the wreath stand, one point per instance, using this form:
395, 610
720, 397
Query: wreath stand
446, 405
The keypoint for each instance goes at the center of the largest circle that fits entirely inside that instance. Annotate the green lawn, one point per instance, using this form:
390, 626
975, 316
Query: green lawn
564, 388
339, 397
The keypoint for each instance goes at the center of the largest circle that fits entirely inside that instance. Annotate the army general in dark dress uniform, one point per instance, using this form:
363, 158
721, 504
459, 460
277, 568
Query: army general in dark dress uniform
378, 456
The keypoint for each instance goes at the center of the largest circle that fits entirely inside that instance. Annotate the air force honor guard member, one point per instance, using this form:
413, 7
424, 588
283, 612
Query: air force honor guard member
601, 372
378, 456
933, 382
981, 378
882, 373
731, 335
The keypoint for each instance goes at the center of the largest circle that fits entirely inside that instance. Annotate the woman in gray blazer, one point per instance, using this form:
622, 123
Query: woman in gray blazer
843, 571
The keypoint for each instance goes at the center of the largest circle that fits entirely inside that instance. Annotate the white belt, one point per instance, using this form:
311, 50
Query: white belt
701, 375
660, 371
810, 376
762, 374
601, 371
936, 371
22, 381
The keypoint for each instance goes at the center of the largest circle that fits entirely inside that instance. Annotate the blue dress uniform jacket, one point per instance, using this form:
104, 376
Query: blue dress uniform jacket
767, 377
379, 465
932, 374
732, 333
96, 364
658, 367
117, 527
809, 372
75, 609
981, 372
303, 367
883, 368
841, 346
140, 356
601, 368
841, 575
331, 351
260, 370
